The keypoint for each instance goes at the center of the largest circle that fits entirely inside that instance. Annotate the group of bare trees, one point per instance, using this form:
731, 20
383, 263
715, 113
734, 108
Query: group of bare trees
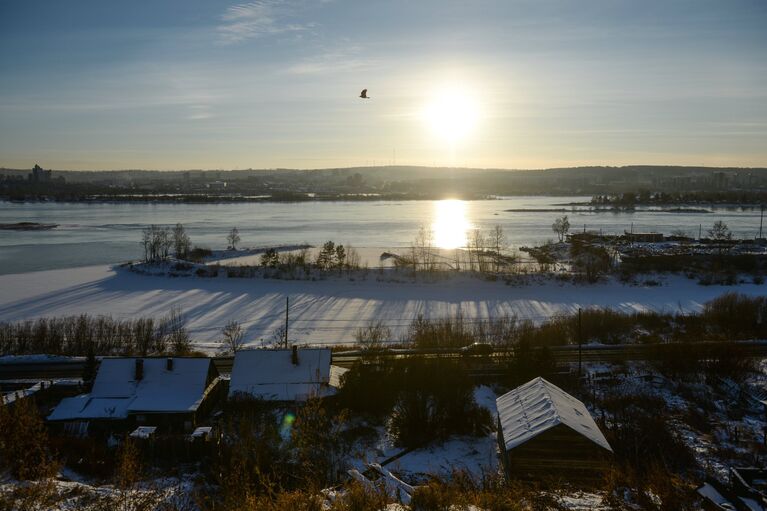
100, 335
488, 251
561, 226
159, 241
485, 251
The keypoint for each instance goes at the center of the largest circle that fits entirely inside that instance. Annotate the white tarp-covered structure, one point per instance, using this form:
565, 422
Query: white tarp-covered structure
282, 374
125, 386
538, 406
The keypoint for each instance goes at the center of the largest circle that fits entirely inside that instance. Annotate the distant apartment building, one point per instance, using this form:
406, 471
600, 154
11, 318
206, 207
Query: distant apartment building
39, 175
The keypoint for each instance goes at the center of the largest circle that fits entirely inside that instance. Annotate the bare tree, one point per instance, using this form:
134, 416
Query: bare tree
499, 244
233, 337
352, 258
561, 226
720, 232
181, 241
373, 336
233, 238
422, 249
477, 248
174, 327
146, 242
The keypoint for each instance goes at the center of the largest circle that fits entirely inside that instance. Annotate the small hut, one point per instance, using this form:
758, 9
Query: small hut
545, 433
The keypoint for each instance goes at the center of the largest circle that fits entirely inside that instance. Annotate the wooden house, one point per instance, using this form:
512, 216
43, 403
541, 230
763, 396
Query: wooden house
169, 393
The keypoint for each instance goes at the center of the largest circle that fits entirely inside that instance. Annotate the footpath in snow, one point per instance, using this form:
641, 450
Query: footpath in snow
324, 311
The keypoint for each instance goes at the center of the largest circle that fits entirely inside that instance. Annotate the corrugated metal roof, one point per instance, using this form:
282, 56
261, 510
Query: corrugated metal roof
538, 406
336, 372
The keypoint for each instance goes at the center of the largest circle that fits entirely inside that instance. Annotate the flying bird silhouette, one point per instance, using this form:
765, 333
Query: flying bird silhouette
364, 94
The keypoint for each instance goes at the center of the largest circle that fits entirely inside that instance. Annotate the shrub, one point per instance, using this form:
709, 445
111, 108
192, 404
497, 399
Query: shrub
436, 401
199, 254
24, 444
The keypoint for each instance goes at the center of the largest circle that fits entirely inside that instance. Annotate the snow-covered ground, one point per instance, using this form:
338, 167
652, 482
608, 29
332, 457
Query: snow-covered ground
324, 311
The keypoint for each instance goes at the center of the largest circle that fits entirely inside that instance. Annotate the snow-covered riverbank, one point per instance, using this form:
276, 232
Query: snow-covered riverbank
324, 311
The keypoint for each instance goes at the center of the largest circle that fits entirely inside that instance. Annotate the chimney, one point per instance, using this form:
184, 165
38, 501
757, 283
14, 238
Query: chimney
169, 364
294, 355
139, 369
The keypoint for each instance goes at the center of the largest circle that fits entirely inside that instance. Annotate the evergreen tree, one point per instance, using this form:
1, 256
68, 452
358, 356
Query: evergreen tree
89, 370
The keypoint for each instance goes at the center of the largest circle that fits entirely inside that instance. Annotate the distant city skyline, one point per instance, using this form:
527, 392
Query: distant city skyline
275, 83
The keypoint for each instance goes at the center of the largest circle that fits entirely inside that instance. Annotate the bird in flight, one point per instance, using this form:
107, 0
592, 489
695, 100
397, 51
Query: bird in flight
364, 94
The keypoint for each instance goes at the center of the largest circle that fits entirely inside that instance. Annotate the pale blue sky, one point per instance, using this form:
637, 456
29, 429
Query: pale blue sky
212, 84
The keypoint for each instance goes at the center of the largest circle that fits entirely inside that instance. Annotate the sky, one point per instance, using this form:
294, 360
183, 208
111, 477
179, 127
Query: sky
193, 84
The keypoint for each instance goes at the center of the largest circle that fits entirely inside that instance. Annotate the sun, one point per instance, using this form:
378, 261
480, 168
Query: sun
452, 114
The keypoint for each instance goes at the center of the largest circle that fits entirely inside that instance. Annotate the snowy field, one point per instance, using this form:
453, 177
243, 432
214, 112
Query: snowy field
324, 311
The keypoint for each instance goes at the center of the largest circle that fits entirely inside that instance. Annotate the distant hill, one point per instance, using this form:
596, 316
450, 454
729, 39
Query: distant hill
442, 180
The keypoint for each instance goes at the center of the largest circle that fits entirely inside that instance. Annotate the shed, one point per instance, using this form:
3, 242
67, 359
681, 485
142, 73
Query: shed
281, 374
167, 392
543, 432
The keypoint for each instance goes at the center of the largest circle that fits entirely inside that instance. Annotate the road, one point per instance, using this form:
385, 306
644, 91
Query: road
562, 354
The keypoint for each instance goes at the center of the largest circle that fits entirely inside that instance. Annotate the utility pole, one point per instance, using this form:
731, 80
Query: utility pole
287, 306
580, 344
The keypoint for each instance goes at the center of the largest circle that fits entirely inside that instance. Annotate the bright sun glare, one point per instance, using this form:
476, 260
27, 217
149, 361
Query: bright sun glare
450, 225
452, 114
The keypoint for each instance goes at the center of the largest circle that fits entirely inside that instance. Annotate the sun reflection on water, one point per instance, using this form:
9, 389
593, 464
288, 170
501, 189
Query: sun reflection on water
450, 225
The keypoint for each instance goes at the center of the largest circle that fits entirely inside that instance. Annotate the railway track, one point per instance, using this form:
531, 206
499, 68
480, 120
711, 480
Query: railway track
487, 363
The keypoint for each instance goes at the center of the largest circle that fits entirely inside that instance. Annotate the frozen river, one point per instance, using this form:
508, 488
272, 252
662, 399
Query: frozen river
105, 233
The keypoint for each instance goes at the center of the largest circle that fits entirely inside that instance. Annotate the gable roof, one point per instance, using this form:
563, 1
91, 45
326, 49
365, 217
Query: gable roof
116, 393
538, 406
271, 374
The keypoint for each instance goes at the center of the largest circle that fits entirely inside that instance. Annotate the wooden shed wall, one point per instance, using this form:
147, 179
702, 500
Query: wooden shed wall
558, 453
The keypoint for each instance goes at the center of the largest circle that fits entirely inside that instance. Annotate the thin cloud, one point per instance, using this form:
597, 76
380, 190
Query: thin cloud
331, 61
256, 19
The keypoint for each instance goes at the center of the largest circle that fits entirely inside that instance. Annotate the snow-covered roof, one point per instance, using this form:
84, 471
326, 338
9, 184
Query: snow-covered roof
11, 397
116, 392
202, 432
538, 406
271, 374
336, 372
143, 432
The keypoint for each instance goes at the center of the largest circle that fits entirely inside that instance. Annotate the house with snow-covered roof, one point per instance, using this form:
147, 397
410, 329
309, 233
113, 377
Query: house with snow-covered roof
544, 432
282, 374
171, 393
